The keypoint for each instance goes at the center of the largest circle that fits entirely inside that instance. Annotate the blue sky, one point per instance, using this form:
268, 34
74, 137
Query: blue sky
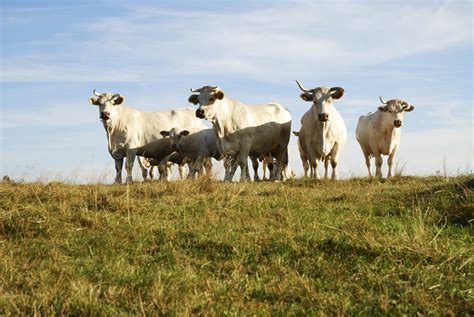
54, 53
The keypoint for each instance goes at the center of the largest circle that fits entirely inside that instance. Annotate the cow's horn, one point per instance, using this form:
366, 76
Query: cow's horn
96, 93
302, 88
382, 101
205, 88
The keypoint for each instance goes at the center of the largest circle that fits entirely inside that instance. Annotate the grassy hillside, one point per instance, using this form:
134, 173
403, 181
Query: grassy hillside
403, 246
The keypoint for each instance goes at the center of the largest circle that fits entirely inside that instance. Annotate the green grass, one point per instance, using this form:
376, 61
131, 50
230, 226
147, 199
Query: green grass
302, 247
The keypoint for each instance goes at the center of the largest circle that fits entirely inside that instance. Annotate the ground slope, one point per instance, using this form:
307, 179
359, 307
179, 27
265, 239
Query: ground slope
403, 246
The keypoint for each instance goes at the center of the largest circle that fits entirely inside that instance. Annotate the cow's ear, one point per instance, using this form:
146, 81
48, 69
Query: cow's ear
409, 108
165, 133
307, 96
118, 99
336, 92
184, 133
383, 108
297, 133
219, 95
94, 101
193, 99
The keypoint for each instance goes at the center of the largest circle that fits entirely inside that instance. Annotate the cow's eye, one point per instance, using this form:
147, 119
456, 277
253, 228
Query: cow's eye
211, 100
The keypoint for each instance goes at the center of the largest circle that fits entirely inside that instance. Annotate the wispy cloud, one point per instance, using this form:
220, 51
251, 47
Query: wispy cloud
268, 44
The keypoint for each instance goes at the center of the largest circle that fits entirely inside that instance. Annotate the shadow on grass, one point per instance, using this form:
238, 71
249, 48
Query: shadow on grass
452, 201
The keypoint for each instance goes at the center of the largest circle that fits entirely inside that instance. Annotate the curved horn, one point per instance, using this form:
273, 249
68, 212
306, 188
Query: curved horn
96, 93
382, 101
205, 88
302, 88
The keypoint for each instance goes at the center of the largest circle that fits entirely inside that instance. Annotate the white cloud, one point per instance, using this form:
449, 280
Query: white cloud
266, 44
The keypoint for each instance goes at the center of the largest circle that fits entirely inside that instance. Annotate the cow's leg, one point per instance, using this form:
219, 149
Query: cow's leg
243, 163
118, 170
305, 167
129, 164
378, 165
230, 165
233, 168
152, 172
326, 165
141, 163
304, 161
334, 161
367, 155
163, 170
334, 157
281, 161
314, 167
390, 162
208, 166
168, 172
255, 168
272, 169
198, 167
265, 168
367, 163
313, 162
182, 170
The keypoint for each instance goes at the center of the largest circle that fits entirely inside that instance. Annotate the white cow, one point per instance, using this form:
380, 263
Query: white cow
131, 132
379, 133
322, 128
198, 146
243, 130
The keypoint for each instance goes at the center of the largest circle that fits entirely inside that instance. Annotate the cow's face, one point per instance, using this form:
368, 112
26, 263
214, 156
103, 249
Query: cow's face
206, 99
394, 109
176, 138
322, 98
107, 103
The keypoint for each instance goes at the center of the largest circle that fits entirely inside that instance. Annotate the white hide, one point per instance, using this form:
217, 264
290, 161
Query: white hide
379, 133
322, 140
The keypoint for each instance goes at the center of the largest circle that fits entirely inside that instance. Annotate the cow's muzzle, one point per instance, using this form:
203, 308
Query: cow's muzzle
397, 123
323, 117
200, 114
105, 115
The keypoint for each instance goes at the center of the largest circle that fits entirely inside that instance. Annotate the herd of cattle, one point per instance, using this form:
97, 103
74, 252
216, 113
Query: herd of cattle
240, 132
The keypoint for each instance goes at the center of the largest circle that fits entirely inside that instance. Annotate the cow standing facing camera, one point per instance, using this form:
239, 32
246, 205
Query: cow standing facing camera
379, 133
323, 131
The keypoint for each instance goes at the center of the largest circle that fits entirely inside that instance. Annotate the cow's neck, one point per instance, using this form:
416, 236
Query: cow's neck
223, 123
386, 128
114, 129
322, 129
